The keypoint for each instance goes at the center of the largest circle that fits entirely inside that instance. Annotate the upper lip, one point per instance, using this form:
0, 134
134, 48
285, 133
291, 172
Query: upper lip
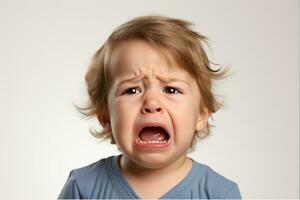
153, 124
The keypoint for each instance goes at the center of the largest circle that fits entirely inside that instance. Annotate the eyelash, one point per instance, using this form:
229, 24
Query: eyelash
129, 90
177, 91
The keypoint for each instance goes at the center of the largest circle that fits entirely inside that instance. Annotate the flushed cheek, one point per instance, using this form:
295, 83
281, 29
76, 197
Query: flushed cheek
186, 109
183, 140
122, 121
122, 134
126, 109
184, 121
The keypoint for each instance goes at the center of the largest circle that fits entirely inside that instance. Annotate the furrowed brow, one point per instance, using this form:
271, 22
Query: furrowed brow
134, 79
137, 79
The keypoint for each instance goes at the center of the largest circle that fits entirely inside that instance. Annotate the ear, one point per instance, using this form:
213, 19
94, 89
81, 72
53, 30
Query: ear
202, 119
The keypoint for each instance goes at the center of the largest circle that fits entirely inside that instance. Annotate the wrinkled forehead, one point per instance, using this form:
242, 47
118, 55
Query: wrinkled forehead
127, 56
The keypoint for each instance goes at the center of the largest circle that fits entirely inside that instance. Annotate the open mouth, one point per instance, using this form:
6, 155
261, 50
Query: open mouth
153, 135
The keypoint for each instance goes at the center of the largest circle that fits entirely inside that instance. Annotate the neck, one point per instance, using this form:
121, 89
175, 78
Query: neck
129, 168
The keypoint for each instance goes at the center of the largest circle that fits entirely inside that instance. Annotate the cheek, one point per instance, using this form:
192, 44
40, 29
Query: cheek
185, 120
122, 116
184, 117
186, 108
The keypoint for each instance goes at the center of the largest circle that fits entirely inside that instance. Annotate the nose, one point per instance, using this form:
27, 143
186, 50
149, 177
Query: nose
152, 105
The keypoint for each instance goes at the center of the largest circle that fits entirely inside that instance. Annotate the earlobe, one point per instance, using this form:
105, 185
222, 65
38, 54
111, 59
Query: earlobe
202, 119
199, 125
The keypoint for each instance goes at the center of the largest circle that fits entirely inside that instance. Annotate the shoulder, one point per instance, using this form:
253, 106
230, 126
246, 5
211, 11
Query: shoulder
216, 185
81, 181
90, 170
87, 176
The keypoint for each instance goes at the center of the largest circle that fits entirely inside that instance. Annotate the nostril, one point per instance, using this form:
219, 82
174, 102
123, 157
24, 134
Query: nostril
152, 110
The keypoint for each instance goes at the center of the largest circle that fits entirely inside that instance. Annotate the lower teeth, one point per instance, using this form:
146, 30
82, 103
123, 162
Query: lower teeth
153, 142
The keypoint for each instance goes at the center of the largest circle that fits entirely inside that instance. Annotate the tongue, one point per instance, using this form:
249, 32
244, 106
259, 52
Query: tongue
153, 133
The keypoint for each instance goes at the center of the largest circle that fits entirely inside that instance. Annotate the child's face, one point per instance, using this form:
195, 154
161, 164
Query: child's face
147, 91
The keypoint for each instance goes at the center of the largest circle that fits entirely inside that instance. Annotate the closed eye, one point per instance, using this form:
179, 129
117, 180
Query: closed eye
172, 90
132, 90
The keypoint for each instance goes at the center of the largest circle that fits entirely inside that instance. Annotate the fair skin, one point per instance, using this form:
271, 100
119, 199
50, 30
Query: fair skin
147, 89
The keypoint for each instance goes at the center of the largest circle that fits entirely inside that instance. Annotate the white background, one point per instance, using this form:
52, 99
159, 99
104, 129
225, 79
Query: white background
45, 47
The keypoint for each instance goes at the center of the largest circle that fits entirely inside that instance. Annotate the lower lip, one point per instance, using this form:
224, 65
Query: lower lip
151, 145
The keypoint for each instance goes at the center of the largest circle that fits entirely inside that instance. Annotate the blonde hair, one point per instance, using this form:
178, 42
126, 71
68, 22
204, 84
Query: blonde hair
170, 35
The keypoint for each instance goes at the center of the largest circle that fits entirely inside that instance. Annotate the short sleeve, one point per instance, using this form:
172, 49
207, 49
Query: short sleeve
70, 189
234, 193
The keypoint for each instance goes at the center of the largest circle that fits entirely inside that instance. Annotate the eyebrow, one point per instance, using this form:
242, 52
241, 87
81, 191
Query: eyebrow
137, 79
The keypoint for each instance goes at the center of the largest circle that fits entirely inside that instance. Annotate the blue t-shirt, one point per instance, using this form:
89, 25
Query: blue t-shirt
104, 180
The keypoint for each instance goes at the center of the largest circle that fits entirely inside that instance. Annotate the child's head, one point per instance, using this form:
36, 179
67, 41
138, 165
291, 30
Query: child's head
152, 72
